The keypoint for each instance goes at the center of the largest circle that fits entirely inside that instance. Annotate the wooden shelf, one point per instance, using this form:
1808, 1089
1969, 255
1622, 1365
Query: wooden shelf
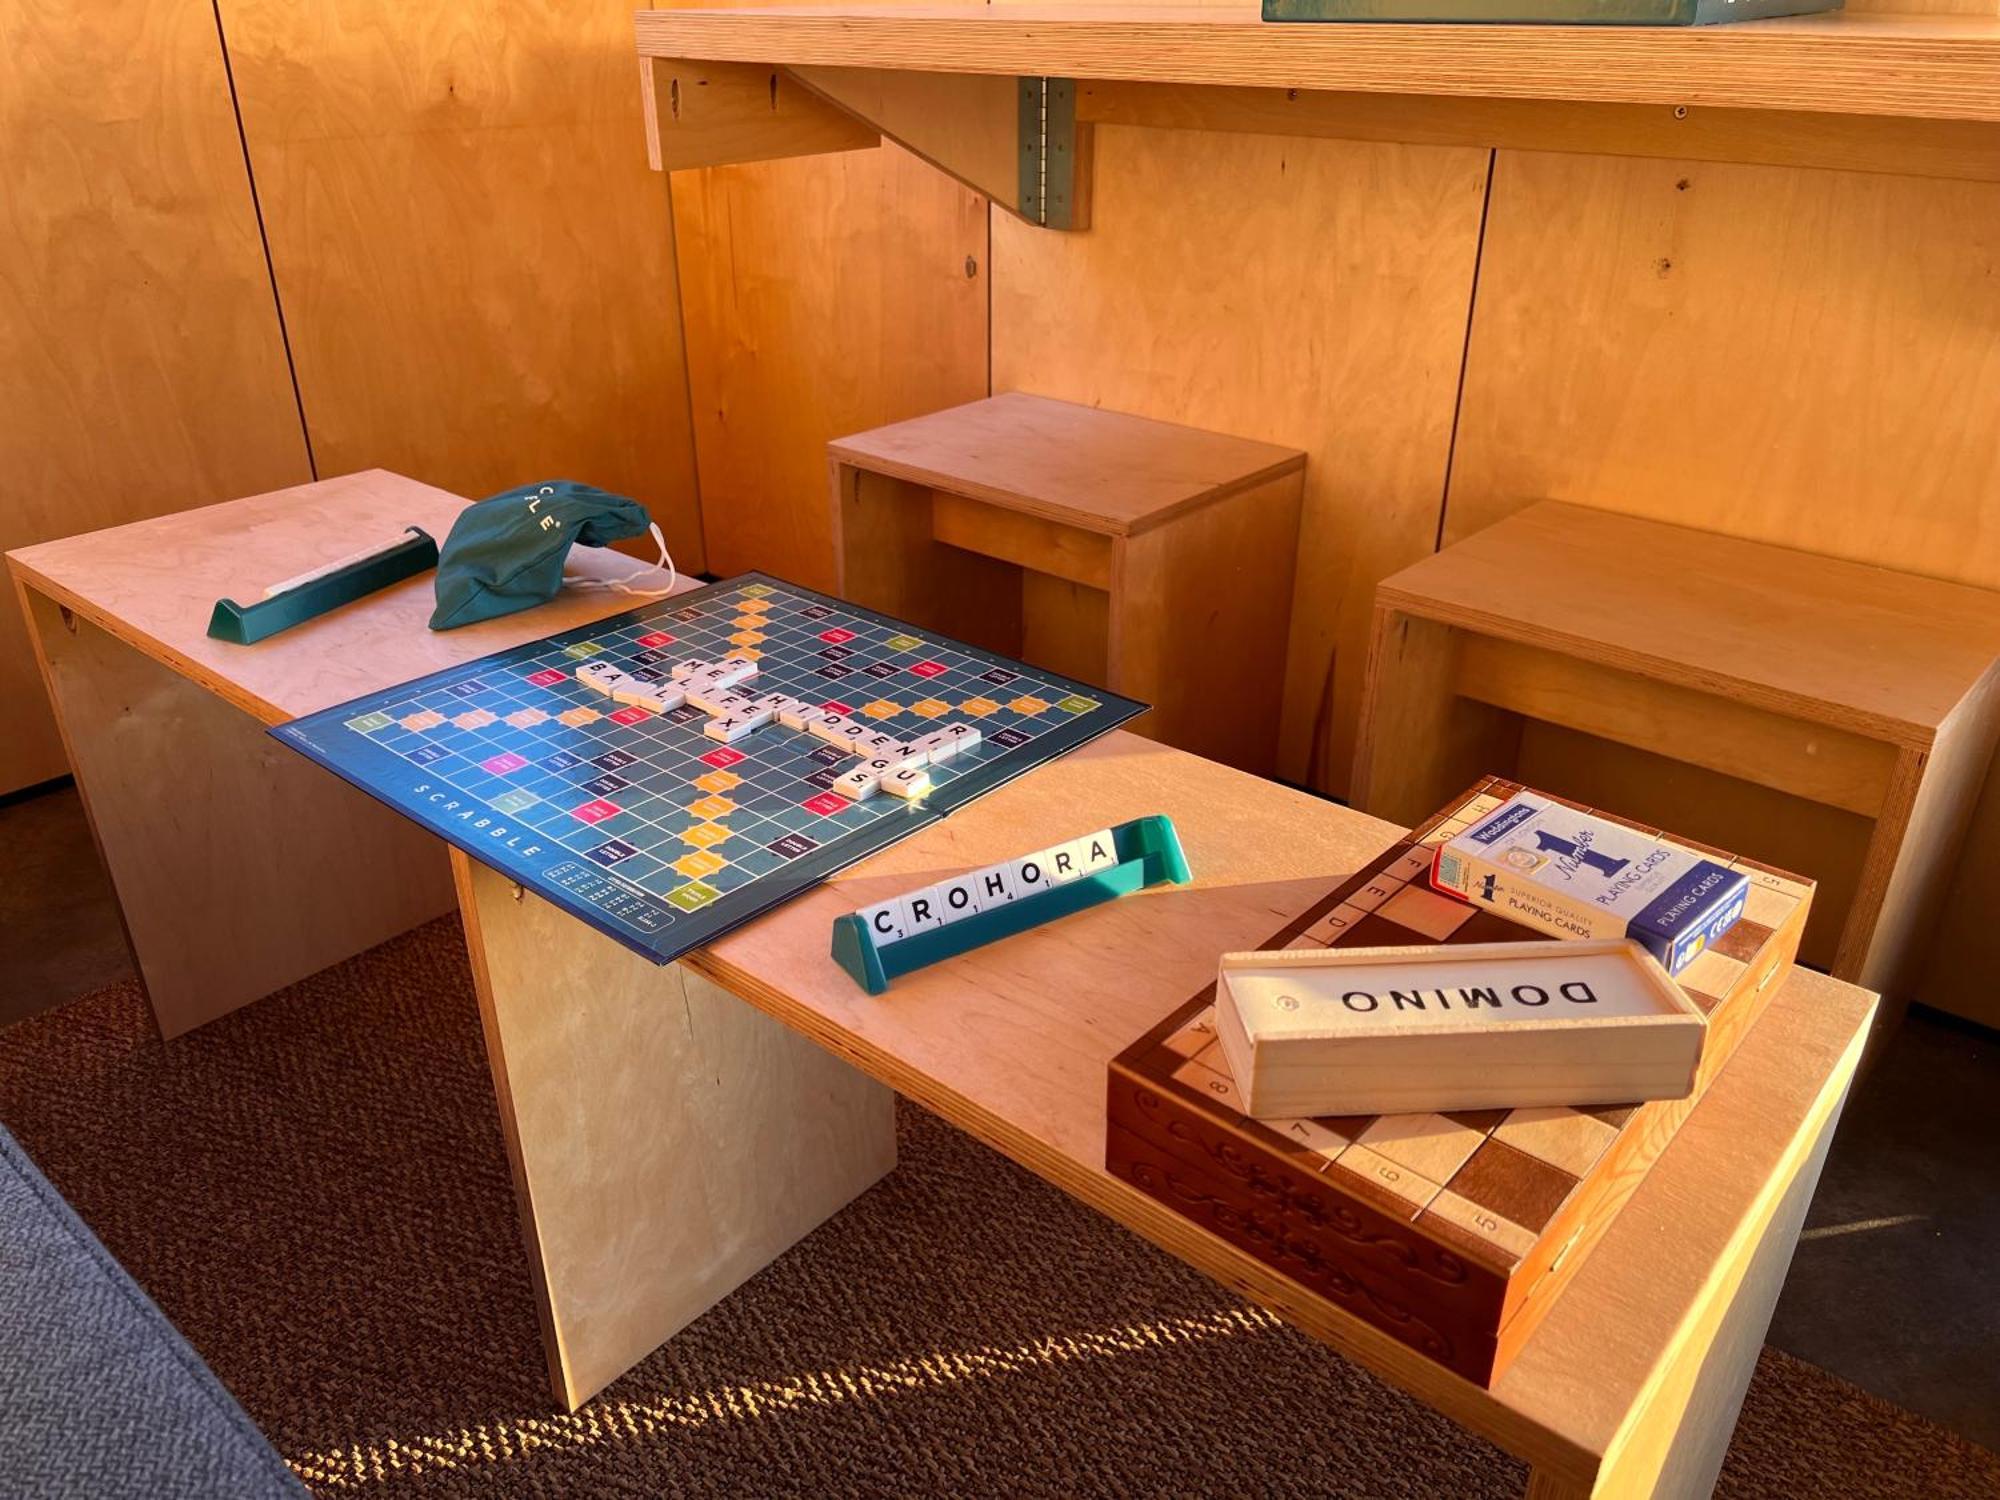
1918, 66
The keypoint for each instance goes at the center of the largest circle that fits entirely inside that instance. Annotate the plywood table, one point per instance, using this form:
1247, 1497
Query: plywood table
673, 1129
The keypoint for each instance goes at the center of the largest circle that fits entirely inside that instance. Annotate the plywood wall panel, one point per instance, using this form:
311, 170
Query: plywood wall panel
1802, 357
822, 296
477, 266
1306, 292
141, 367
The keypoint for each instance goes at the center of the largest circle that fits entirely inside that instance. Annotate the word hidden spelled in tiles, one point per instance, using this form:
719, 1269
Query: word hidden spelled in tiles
939, 921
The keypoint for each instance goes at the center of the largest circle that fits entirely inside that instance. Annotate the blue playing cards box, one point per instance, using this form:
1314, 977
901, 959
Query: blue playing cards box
1536, 861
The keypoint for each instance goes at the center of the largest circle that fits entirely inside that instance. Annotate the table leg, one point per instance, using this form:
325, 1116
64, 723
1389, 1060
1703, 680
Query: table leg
668, 1141
240, 866
1674, 1442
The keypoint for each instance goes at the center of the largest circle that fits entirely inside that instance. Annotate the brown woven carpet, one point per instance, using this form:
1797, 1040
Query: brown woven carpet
315, 1191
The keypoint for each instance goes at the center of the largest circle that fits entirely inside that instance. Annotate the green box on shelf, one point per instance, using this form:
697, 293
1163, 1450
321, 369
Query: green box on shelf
1543, 12
1149, 853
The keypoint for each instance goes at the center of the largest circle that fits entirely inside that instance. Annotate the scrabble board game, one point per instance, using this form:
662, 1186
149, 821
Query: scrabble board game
1451, 1232
667, 828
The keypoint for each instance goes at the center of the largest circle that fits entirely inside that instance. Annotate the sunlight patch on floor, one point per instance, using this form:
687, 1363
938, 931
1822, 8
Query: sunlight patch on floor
643, 1419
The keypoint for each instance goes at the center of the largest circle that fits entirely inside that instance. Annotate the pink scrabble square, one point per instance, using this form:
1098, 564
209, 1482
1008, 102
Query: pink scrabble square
502, 763
631, 713
547, 677
596, 811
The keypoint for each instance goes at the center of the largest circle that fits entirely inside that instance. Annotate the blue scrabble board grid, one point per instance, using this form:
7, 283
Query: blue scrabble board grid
651, 831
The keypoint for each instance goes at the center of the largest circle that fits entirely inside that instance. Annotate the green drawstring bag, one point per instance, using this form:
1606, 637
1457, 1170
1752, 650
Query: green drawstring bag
505, 553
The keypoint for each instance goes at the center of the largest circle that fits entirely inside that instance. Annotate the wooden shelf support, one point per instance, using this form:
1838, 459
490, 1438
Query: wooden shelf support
1016, 140
716, 114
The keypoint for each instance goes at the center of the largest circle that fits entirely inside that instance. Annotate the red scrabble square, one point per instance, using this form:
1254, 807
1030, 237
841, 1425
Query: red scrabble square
631, 713
722, 759
835, 706
825, 804
836, 636
547, 677
657, 638
929, 668
596, 811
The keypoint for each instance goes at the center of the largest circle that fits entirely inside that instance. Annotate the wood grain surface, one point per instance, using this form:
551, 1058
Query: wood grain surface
141, 365
1946, 66
477, 266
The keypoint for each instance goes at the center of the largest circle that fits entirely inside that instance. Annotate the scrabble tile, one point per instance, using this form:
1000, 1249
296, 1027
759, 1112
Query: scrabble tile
657, 696
963, 735
904, 753
921, 910
850, 735
734, 670
732, 727
796, 715
602, 676
711, 698
960, 897
938, 746
1027, 874
773, 701
993, 886
687, 668
884, 921
877, 767
827, 726
856, 786
911, 781
1092, 852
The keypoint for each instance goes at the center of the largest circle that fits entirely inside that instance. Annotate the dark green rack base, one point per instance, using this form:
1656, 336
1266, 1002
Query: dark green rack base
1149, 853
246, 624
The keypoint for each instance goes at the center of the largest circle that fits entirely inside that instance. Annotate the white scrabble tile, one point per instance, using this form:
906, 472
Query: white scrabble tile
602, 676
732, 727
911, 781
735, 670
992, 886
687, 668
857, 785
938, 746
920, 910
884, 921
827, 725
852, 737
773, 701
877, 767
904, 753
876, 743
1064, 862
960, 898
963, 735
1027, 874
657, 697
711, 698
1094, 851
794, 714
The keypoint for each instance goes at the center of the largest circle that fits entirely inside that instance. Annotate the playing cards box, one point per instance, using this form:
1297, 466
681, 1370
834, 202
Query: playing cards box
1546, 865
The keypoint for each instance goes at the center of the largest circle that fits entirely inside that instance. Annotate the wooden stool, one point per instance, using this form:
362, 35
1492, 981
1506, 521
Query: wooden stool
1833, 718
1151, 559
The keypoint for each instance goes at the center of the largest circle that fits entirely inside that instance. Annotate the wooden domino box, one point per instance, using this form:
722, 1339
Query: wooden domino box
1451, 1232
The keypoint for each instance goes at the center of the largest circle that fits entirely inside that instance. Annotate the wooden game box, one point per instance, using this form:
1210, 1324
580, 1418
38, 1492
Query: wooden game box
1451, 1232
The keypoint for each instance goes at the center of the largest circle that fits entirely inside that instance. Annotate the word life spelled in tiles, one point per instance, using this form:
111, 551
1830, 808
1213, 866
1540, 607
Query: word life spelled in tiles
982, 890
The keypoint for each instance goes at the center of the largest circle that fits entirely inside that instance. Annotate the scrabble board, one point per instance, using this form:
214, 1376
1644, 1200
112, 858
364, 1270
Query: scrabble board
650, 825
1451, 1232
